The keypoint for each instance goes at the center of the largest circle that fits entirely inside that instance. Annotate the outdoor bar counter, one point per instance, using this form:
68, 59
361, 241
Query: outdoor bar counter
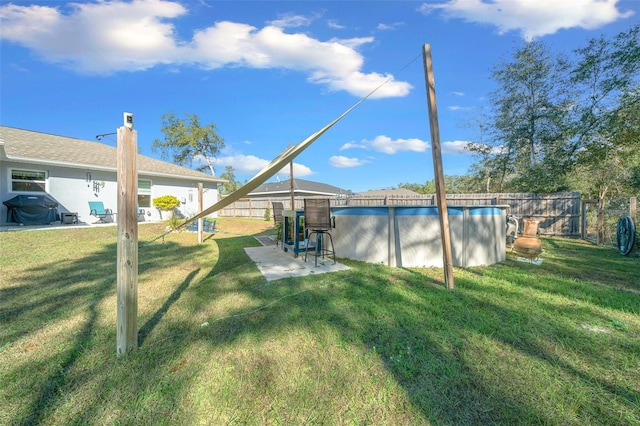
409, 236
293, 237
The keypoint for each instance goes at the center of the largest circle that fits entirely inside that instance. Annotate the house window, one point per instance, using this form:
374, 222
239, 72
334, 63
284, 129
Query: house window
144, 193
28, 181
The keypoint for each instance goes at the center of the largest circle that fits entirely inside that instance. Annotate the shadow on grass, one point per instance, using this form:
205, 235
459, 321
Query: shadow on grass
51, 389
438, 345
407, 329
63, 297
427, 337
155, 319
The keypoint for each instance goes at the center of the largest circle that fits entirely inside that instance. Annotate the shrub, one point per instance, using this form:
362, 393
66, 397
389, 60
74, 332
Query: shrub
174, 222
166, 202
279, 231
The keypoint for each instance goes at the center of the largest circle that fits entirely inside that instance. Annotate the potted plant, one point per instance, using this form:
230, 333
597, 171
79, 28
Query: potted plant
166, 203
278, 236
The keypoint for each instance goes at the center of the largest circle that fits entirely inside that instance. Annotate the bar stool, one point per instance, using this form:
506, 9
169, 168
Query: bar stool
318, 221
277, 219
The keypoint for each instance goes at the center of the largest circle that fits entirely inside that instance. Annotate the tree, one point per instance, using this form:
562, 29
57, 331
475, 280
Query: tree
187, 141
452, 184
481, 176
611, 168
607, 116
553, 120
427, 188
232, 184
528, 129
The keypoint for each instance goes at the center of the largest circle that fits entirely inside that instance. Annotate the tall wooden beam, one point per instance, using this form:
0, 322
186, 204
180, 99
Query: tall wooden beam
127, 250
292, 189
200, 207
437, 168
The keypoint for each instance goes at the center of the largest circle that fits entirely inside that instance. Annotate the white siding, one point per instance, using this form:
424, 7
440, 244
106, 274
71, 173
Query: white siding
71, 189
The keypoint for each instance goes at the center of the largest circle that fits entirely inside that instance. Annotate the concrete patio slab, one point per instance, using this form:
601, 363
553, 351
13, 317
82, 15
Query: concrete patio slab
275, 264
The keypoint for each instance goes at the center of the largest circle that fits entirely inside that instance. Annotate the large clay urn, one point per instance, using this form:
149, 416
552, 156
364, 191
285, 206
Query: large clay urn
529, 245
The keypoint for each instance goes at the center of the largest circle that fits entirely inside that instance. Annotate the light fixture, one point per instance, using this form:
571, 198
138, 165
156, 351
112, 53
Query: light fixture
128, 120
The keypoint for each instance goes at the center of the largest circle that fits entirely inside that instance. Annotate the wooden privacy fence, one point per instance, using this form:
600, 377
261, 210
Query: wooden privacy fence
558, 213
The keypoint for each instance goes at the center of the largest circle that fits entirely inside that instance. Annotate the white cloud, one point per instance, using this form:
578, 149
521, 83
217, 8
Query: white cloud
96, 37
351, 145
290, 20
459, 108
353, 43
298, 170
242, 164
332, 23
107, 37
388, 27
533, 18
458, 93
250, 165
360, 84
342, 161
455, 147
387, 145
390, 146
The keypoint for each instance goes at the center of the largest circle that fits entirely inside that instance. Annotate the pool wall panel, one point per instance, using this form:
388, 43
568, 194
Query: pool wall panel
410, 236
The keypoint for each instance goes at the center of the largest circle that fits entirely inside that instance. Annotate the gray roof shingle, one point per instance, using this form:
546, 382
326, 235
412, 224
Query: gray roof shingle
299, 185
44, 148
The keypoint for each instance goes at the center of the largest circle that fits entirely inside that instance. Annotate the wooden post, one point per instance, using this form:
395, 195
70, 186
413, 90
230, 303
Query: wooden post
600, 221
127, 251
583, 230
292, 188
200, 221
437, 168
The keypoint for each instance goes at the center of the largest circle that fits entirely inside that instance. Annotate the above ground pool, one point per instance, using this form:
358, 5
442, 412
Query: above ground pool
409, 236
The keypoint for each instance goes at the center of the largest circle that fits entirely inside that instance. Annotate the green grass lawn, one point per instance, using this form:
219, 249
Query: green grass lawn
514, 343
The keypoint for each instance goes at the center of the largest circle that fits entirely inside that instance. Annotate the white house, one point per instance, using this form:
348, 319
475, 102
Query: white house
74, 172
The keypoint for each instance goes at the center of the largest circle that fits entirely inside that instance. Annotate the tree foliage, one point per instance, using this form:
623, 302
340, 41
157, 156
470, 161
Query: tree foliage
527, 127
611, 168
232, 184
187, 141
557, 124
607, 115
453, 185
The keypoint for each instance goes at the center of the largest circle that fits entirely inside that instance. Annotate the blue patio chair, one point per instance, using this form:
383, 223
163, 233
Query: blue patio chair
192, 226
207, 226
98, 210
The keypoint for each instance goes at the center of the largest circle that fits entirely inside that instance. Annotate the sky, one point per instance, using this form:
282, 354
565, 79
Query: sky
271, 73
